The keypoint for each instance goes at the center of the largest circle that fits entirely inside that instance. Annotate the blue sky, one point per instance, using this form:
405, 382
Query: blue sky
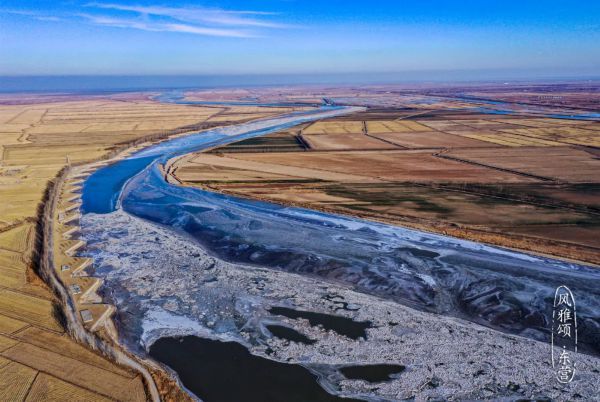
294, 36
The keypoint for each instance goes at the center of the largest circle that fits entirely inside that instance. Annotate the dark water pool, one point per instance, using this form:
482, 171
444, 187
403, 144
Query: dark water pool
372, 372
342, 325
290, 334
226, 371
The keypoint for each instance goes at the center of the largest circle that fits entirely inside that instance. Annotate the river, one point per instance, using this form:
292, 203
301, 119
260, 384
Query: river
498, 288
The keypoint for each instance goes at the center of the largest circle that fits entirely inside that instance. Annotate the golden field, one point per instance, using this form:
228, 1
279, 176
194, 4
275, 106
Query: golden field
38, 360
334, 127
518, 132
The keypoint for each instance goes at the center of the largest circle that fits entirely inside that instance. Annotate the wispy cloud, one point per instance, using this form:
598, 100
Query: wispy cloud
198, 14
48, 18
192, 20
32, 14
165, 27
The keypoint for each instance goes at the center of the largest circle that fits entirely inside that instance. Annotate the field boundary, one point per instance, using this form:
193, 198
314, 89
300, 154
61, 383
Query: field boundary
48, 272
505, 170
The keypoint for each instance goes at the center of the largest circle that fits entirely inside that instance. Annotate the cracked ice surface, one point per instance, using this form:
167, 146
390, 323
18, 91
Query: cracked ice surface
163, 284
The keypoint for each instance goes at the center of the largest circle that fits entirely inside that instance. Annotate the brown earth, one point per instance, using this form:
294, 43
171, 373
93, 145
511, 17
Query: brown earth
499, 190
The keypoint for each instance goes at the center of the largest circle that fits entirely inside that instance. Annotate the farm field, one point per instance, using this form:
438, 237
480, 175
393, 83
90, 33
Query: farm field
395, 126
417, 166
476, 176
39, 136
345, 142
429, 139
518, 132
570, 165
334, 127
284, 141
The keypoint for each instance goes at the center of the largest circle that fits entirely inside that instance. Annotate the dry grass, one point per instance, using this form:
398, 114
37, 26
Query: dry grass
395, 126
344, 142
10, 325
517, 132
29, 309
19, 155
238, 164
430, 139
17, 239
416, 166
9, 138
10, 277
444, 125
507, 139
78, 373
334, 127
21, 191
12, 260
47, 388
543, 122
560, 163
559, 135
50, 340
6, 343
15, 380
3, 361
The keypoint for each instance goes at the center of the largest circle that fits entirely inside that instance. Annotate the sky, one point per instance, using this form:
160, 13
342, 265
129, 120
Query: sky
161, 37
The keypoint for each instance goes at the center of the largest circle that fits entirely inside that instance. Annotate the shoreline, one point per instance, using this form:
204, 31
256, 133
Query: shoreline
234, 306
168, 172
519, 243
100, 334
106, 343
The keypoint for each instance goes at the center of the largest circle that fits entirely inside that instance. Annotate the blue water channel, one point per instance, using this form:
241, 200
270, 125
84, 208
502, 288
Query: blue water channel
506, 290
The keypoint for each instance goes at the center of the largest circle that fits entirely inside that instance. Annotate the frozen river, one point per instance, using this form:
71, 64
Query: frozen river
497, 288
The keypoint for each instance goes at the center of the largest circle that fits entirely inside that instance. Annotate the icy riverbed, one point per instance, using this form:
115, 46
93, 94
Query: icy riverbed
326, 292
164, 284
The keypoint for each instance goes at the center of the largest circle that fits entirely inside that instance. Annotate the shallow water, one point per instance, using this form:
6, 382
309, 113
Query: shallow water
502, 289
373, 372
506, 290
289, 334
342, 325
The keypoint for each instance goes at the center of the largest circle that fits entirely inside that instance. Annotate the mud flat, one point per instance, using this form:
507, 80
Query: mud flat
167, 286
259, 277
520, 182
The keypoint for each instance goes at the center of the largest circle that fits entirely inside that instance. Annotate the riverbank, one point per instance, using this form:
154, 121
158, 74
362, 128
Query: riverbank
47, 346
144, 234
195, 293
88, 319
538, 246
532, 189
41, 135
75, 273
